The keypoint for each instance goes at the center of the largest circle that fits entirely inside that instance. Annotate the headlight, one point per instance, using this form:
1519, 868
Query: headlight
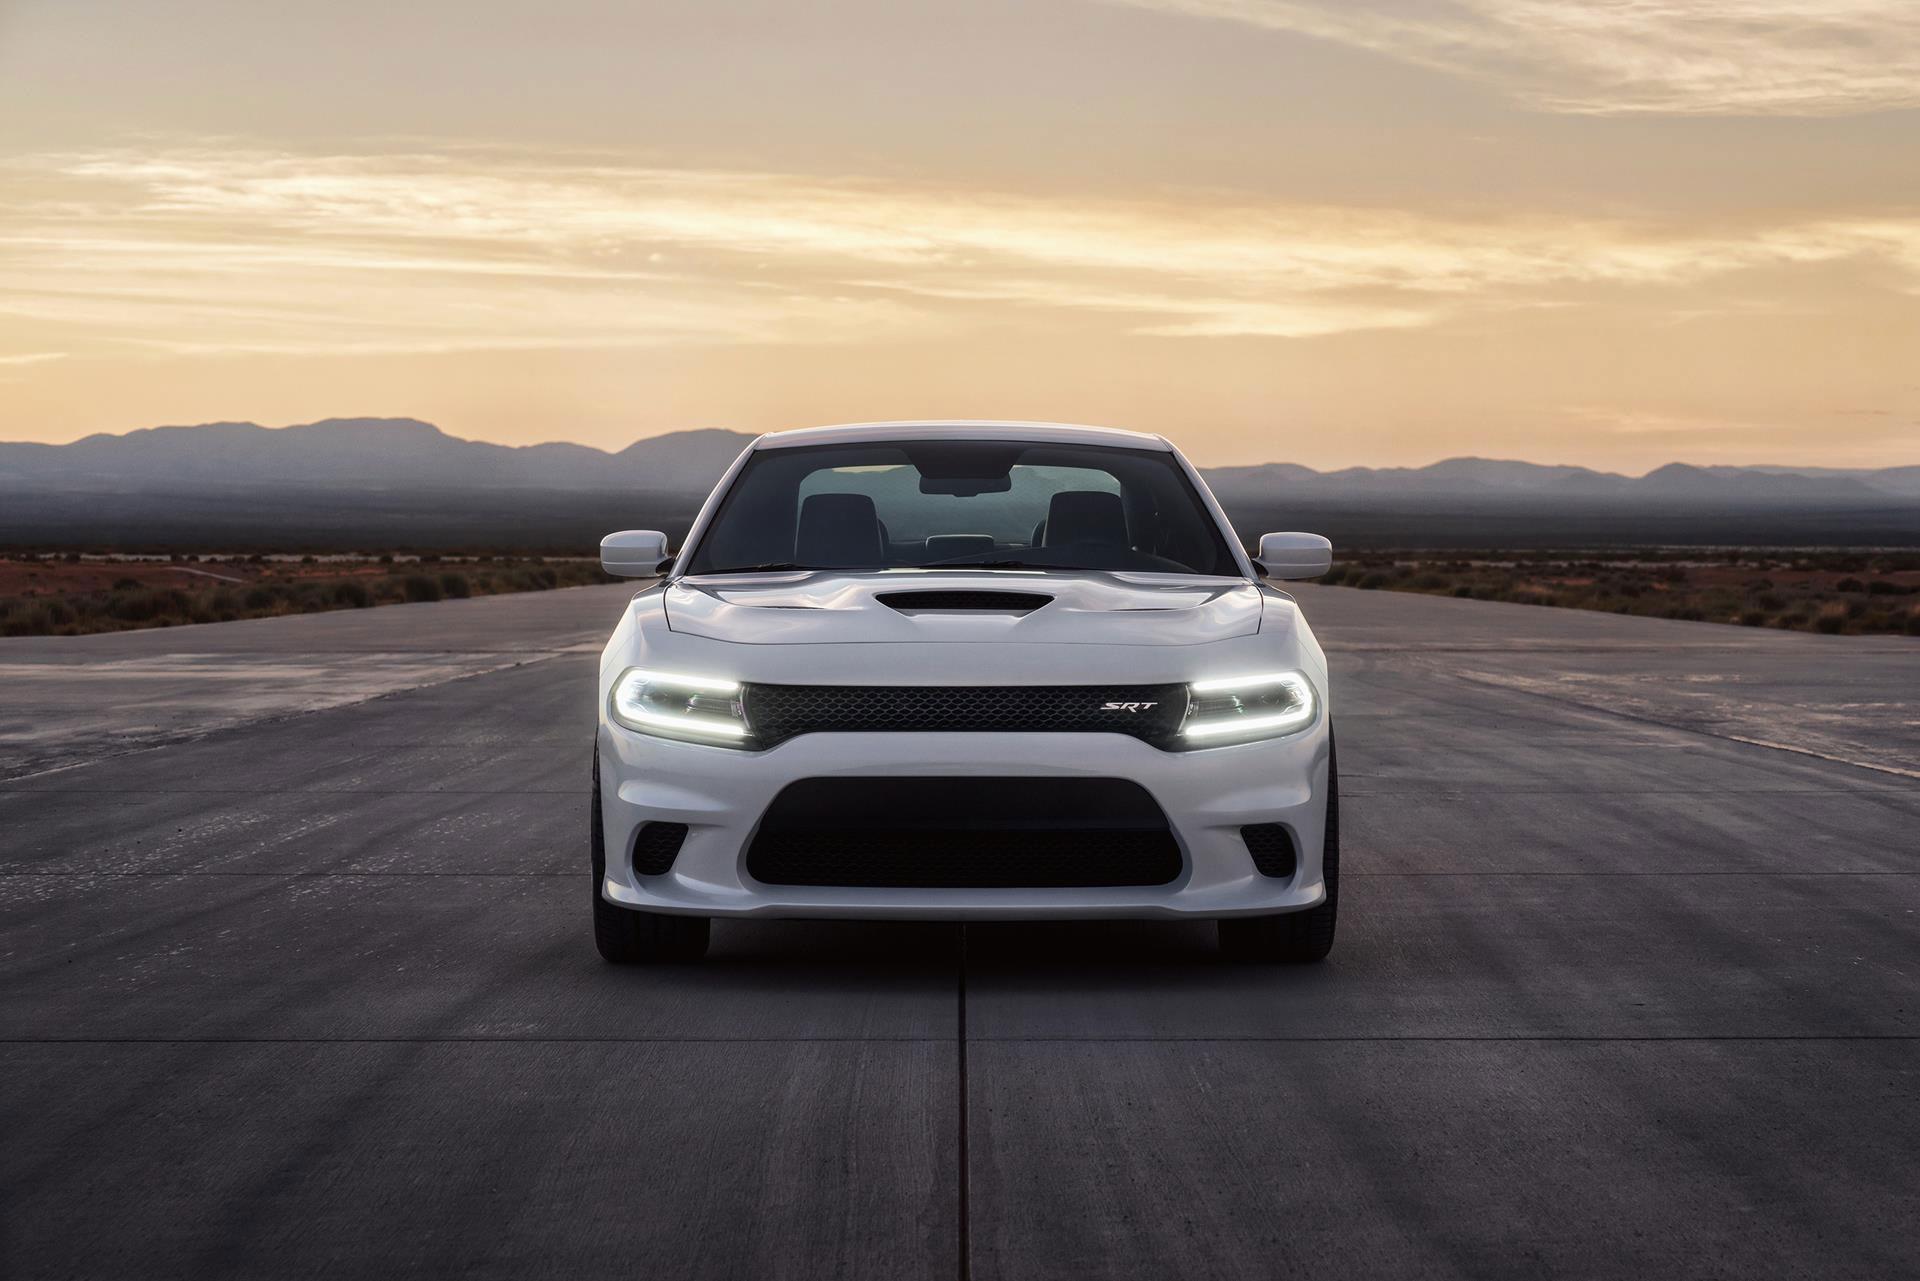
1238, 709
699, 709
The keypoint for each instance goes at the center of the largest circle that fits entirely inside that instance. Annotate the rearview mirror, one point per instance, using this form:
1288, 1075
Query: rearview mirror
1293, 555
965, 486
635, 553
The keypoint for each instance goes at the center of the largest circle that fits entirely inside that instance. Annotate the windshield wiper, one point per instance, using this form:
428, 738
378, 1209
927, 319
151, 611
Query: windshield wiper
771, 567
991, 564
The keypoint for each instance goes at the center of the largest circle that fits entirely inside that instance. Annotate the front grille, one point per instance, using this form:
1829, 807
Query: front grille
655, 846
1149, 712
1272, 848
964, 833
955, 601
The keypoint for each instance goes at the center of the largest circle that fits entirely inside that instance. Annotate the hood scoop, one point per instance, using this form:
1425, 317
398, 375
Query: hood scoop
963, 602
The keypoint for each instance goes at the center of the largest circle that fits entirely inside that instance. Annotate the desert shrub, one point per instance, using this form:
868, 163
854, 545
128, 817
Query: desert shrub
1753, 617
126, 584
23, 618
1885, 587
1850, 585
259, 598
1464, 590
455, 586
1913, 621
1832, 617
1373, 580
421, 588
1427, 581
352, 594
134, 606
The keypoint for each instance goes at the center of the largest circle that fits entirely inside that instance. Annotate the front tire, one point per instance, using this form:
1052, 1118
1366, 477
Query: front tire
1294, 938
628, 937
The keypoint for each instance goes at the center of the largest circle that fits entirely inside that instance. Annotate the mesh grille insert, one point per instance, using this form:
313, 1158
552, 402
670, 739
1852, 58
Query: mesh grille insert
1150, 712
1272, 848
655, 846
964, 833
955, 601
965, 860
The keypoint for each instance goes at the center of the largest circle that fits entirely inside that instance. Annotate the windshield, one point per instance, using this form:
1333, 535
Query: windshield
935, 503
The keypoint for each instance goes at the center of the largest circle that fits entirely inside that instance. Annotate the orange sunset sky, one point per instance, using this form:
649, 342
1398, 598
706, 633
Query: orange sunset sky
1613, 232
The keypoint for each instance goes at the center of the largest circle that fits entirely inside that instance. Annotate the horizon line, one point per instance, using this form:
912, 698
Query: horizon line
753, 435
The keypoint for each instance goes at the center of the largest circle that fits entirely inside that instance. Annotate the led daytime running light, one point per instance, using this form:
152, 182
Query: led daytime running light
679, 705
1255, 706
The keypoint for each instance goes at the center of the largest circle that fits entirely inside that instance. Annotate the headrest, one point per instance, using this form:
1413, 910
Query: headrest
1086, 516
838, 531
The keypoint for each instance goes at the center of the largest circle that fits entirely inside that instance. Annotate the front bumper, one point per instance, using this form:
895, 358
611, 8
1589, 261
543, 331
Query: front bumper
720, 794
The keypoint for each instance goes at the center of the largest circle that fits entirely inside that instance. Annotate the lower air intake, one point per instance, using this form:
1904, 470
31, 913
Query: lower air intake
655, 846
1272, 848
964, 833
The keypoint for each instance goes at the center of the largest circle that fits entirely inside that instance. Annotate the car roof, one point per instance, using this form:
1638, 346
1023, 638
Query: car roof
961, 429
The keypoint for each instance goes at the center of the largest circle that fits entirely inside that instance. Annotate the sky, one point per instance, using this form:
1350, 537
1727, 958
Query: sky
1609, 232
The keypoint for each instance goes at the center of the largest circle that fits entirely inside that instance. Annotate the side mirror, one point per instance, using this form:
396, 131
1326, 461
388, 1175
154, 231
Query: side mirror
635, 553
1293, 556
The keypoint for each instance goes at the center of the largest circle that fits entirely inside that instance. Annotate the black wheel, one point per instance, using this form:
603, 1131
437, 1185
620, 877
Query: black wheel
627, 937
1295, 938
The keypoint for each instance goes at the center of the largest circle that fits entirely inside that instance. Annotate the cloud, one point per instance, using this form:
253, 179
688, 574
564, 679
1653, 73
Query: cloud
212, 249
1642, 422
1695, 57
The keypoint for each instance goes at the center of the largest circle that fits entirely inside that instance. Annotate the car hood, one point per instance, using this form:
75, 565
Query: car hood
1092, 608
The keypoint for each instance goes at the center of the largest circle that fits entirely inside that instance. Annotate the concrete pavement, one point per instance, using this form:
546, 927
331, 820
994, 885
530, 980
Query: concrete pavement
305, 985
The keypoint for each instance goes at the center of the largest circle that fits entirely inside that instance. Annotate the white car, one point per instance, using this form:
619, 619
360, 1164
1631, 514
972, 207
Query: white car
963, 671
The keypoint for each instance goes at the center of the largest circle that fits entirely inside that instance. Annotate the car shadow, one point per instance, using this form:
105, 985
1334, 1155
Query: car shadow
1059, 955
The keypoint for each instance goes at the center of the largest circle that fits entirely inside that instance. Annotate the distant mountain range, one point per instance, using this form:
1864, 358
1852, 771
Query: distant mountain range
1491, 478
361, 454
395, 454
